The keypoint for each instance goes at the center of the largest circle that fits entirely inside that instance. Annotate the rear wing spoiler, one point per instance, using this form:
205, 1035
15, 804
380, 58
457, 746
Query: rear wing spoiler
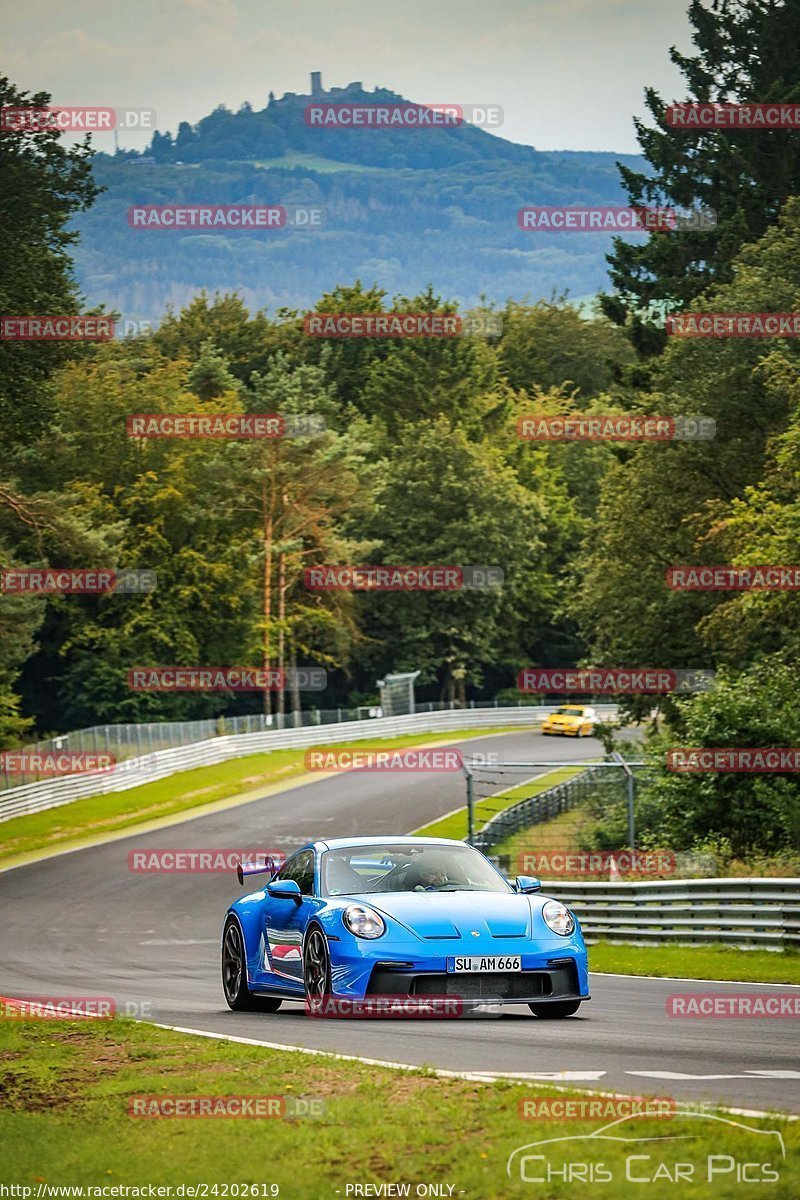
256, 866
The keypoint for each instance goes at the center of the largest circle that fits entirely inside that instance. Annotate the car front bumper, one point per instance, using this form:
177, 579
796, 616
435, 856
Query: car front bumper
557, 982
555, 971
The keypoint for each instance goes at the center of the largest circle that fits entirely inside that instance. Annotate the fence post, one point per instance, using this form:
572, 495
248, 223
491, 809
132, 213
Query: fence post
470, 806
630, 783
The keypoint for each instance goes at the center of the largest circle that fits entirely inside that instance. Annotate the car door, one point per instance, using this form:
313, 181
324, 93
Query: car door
285, 922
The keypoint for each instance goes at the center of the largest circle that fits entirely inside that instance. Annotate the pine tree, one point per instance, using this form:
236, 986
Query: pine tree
748, 50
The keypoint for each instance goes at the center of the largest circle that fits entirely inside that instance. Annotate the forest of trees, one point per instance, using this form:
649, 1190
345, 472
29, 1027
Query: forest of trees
421, 463
455, 224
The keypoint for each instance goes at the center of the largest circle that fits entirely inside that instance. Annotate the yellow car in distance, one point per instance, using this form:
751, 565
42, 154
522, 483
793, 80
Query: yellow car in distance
571, 720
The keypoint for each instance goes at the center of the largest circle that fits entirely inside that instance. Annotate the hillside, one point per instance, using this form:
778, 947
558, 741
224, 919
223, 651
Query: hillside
403, 208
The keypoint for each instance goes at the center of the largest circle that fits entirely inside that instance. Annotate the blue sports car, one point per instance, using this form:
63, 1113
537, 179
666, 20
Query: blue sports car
354, 919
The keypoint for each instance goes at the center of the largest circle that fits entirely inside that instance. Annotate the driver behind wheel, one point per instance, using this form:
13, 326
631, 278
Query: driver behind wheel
428, 875
430, 879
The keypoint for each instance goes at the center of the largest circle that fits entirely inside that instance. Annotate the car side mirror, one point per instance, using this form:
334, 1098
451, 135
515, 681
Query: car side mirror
527, 883
284, 889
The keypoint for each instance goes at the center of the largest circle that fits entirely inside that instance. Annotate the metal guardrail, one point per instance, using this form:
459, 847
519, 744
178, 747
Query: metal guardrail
124, 741
36, 797
748, 913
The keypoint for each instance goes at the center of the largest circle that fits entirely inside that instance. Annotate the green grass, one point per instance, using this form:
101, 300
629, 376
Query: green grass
454, 825
64, 1121
108, 814
561, 832
697, 962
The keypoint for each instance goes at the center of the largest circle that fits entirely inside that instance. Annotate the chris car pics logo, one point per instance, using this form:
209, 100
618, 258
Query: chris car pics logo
695, 1148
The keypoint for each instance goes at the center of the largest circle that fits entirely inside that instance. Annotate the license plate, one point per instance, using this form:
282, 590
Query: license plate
467, 965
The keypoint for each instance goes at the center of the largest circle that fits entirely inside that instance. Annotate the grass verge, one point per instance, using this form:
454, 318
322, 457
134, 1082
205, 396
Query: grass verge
108, 814
67, 1087
697, 962
454, 825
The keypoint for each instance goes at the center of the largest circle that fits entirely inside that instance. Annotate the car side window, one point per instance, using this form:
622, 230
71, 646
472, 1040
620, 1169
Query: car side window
301, 870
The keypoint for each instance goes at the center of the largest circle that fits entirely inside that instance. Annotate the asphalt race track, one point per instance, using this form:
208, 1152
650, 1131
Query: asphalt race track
81, 923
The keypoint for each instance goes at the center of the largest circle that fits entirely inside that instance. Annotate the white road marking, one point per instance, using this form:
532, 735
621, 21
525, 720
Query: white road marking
546, 1076
776, 1074
690, 979
746, 1075
180, 942
472, 1076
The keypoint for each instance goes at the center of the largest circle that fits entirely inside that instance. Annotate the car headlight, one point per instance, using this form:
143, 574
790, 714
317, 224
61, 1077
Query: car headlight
363, 922
558, 918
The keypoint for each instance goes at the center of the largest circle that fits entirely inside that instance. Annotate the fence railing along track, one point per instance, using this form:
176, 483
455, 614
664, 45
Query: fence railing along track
50, 793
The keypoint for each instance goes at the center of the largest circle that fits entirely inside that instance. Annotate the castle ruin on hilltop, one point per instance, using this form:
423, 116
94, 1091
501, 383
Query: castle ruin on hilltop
318, 90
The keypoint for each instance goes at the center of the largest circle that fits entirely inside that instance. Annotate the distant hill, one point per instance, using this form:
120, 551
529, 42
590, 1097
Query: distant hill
280, 129
404, 208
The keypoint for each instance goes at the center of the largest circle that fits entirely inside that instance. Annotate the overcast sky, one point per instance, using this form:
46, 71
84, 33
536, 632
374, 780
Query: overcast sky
569, 74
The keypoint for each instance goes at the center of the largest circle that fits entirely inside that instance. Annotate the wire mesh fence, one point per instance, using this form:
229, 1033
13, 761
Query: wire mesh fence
507, 804
577, 821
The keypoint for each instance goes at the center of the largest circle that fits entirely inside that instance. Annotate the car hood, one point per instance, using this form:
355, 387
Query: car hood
447, 916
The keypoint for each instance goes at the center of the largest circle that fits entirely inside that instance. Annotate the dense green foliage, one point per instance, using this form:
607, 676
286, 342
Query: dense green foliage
419, 461
747, 50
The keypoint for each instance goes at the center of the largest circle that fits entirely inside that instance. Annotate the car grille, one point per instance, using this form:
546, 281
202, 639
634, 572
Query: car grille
560, 979
484, 986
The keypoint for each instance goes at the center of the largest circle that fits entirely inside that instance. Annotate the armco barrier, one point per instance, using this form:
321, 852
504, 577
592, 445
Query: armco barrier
749, 913
35, 797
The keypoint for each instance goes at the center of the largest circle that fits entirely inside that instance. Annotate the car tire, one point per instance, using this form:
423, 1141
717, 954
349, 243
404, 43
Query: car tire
234, 974
316, 970
555, 1011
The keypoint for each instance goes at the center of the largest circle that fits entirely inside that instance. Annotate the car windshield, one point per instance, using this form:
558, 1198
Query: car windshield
398, 868
569, 712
